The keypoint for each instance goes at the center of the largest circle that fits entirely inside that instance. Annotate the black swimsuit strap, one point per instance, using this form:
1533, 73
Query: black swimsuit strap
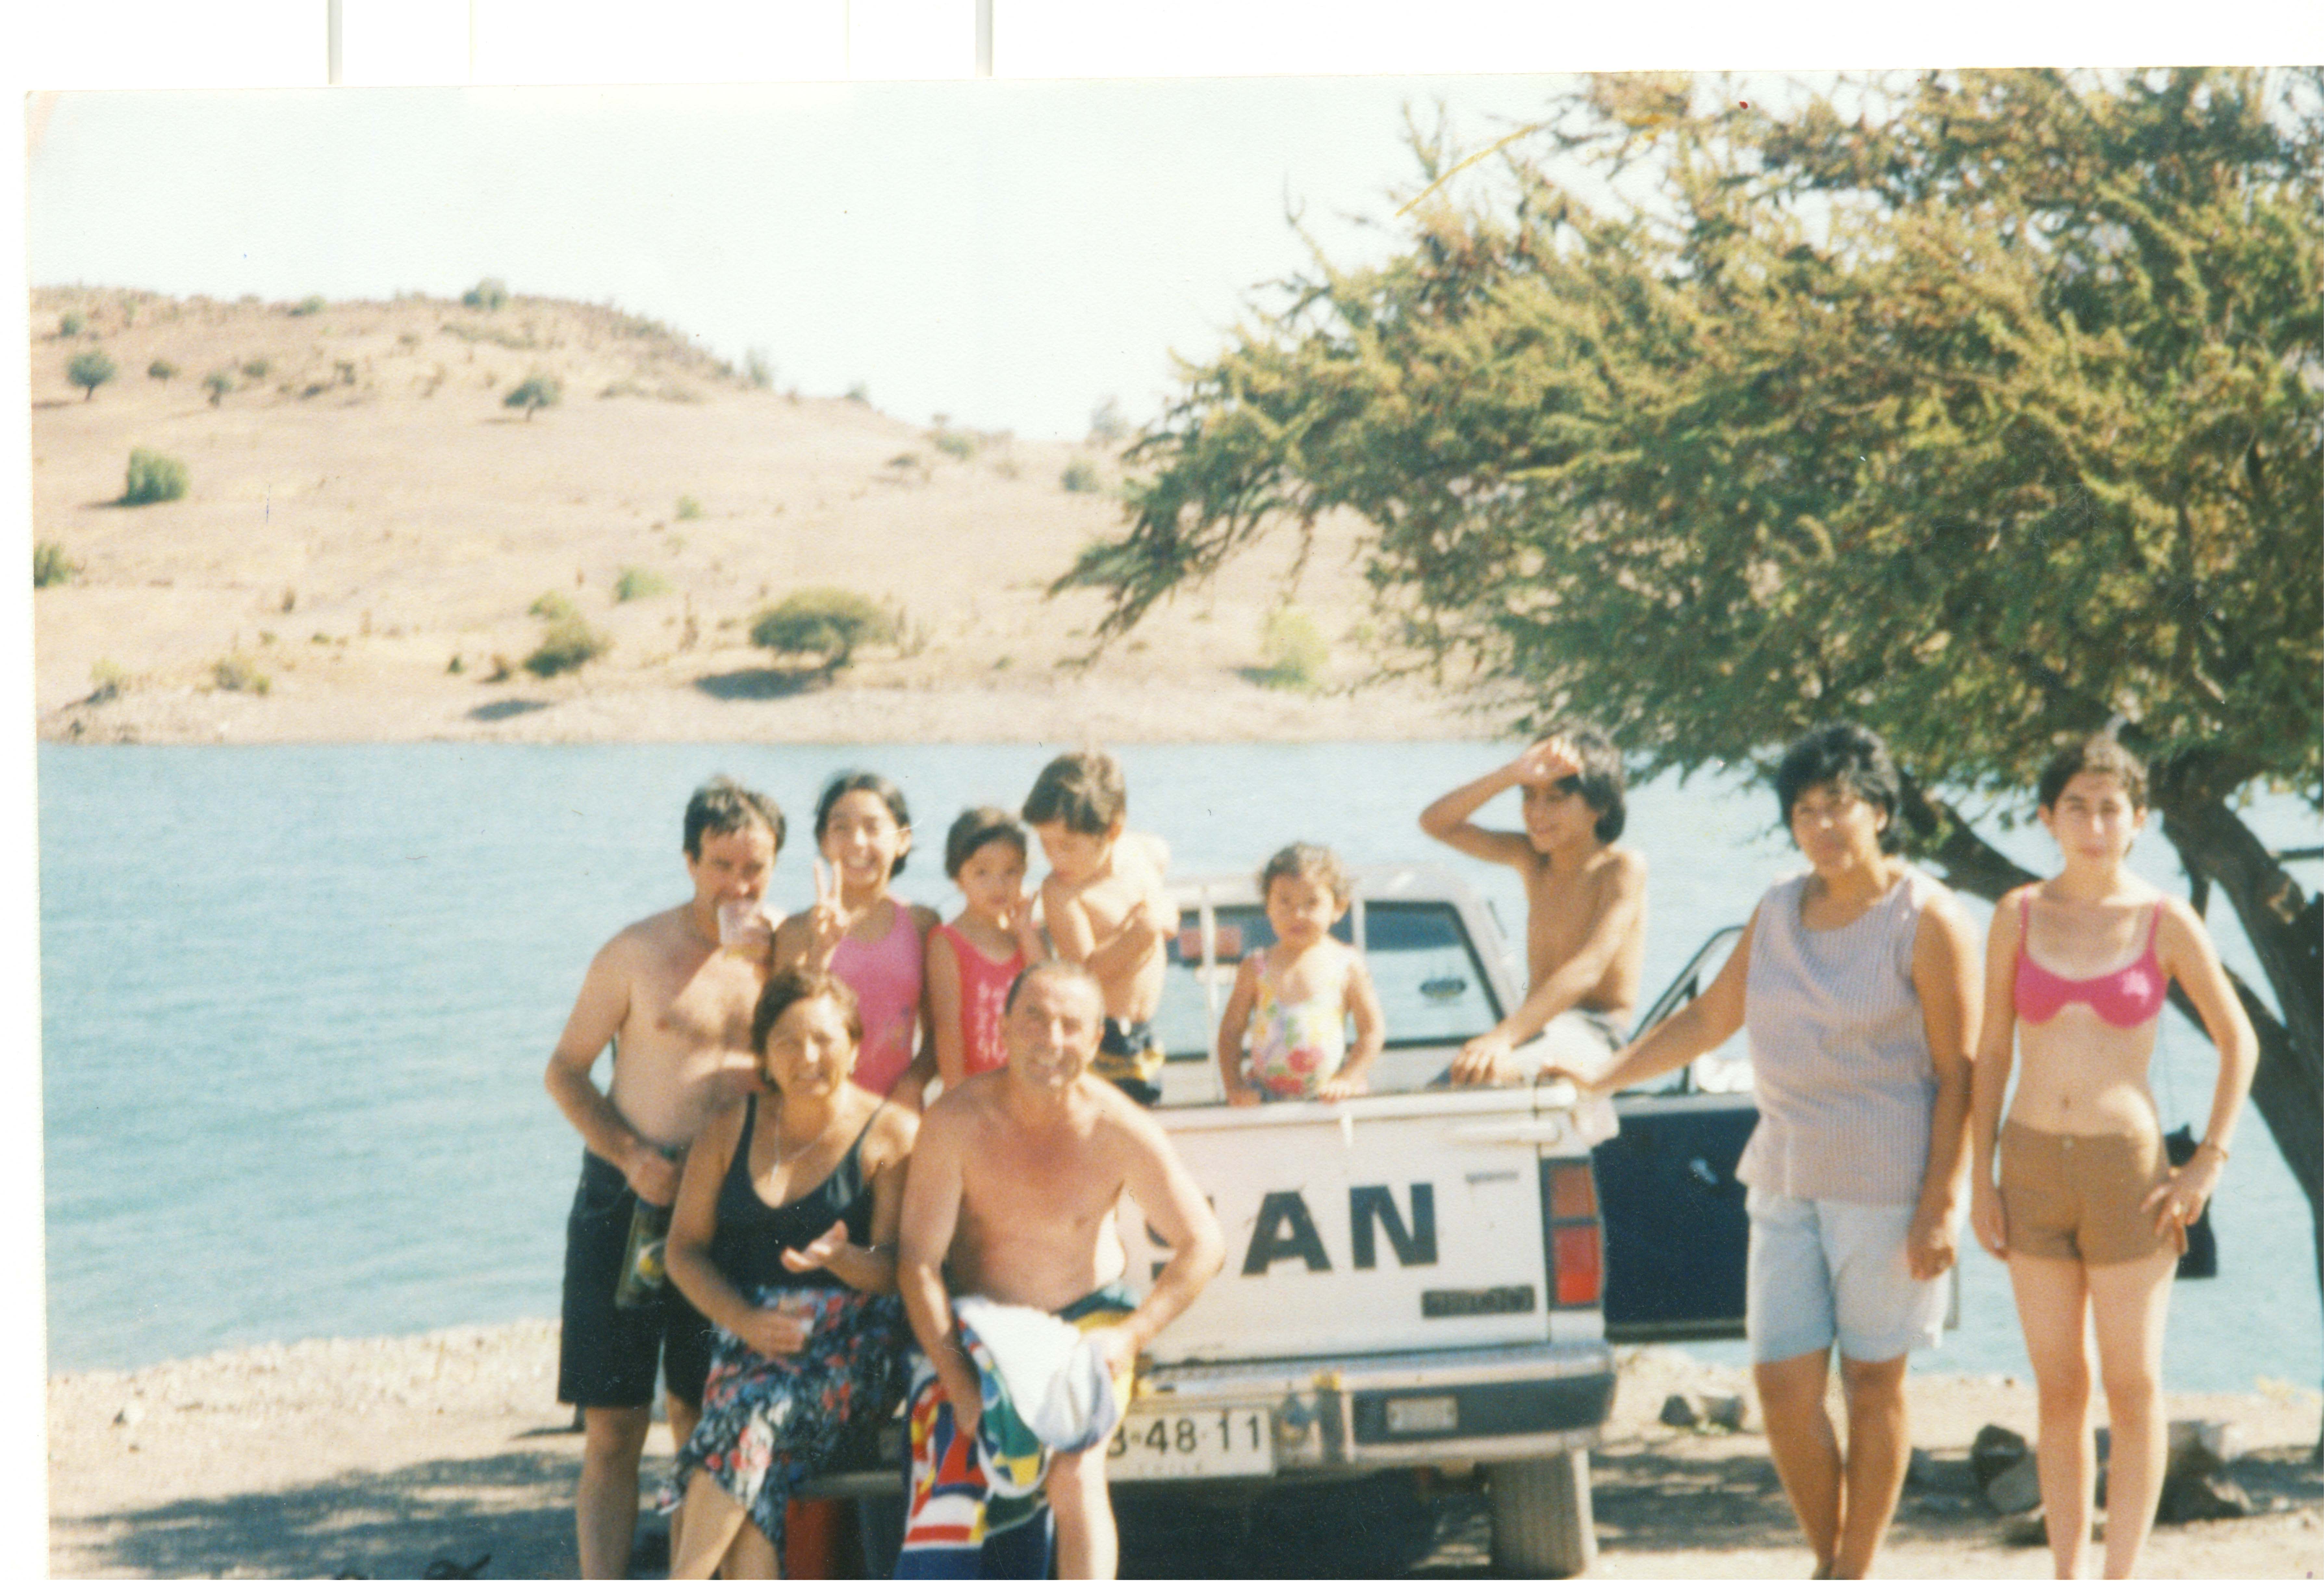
740, 1164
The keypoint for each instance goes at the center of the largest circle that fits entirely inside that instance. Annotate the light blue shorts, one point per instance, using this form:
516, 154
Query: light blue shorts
1822, 1271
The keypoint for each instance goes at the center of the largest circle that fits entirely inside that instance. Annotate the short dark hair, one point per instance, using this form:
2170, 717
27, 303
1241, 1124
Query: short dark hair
2099, 754
1072, 971
1601, 781
722, 807
1314, 863
878, 785
1847, 755
788, 988
1082, 790
974, 830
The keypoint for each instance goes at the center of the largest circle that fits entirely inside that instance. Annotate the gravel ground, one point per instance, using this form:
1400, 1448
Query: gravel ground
381, 1457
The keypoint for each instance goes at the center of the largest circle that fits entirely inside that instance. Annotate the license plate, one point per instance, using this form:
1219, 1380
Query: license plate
1148, 1445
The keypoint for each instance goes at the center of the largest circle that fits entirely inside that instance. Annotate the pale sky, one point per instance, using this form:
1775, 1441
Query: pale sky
1008, 254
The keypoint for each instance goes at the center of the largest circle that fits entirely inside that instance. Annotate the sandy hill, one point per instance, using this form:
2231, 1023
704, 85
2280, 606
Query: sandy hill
367, 525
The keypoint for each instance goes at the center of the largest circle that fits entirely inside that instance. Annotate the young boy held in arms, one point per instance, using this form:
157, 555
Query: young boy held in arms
1105, 907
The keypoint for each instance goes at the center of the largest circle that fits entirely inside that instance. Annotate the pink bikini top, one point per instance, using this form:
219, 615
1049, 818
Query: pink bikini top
2131, 996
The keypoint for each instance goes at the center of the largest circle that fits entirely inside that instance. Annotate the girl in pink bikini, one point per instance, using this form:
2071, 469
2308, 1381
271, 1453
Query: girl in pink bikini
975, 957
864, 936
2087, 1210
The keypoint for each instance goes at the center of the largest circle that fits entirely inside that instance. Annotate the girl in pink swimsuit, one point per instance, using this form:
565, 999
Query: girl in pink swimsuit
862, 935
2086, 1209
974, 958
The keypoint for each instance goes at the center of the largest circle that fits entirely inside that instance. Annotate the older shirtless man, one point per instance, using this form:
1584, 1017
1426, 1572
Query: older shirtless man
1011, 1197
676, 1008
1585, 901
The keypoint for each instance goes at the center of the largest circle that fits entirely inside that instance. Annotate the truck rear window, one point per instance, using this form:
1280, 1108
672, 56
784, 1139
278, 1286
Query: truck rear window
1433, 992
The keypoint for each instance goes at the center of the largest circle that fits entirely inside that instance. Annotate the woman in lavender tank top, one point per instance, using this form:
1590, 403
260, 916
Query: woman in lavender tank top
1859, 982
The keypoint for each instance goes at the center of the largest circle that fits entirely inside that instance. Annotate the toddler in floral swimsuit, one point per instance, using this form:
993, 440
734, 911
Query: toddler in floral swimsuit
1284, 1032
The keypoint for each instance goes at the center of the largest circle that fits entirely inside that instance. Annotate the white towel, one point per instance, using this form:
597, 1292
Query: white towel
1052, 1374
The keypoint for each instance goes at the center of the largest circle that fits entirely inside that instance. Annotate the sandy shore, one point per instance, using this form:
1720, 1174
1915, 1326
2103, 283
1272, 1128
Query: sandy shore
383, 1456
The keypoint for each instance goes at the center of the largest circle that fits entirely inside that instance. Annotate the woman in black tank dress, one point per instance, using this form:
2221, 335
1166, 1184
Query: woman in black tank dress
784, 1236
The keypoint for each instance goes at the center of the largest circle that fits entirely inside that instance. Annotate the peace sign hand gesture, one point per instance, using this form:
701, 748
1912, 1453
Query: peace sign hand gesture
827, 924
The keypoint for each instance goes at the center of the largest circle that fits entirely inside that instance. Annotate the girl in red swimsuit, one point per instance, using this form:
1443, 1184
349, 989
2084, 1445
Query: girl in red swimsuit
974, 958
2086, 1210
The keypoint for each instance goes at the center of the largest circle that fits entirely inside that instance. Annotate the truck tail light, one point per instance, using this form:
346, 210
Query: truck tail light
1576, 1236
1580, 1266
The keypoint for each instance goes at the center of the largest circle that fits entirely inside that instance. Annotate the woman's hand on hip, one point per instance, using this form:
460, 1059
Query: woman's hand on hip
1988, 1219
2180, 1200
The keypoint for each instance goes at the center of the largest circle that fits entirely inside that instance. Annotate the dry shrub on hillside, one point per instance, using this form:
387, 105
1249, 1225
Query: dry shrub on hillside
153, 477
828, 623
51, 567
637, 582
569, 643
234, 673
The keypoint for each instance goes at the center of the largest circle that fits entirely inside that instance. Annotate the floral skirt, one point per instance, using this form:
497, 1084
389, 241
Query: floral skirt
771, 1423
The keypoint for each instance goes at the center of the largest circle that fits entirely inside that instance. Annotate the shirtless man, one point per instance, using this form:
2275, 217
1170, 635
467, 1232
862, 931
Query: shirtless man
1585, 901
676, 1007
1012, 1195
1105, 908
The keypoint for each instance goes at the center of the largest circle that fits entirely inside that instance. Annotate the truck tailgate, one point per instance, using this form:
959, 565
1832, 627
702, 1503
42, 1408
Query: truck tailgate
1408, 1222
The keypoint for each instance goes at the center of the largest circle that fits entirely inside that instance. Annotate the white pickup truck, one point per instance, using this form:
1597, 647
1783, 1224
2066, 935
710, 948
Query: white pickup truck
1420, 1277
1426, 1277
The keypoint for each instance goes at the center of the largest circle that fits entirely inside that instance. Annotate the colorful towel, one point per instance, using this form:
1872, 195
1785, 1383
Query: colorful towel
976, 1508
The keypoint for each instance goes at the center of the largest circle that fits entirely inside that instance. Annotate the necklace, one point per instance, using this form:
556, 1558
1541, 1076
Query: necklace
775, 1164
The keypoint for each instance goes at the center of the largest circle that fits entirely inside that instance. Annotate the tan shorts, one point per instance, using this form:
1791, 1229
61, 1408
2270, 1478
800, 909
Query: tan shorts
2080, 1198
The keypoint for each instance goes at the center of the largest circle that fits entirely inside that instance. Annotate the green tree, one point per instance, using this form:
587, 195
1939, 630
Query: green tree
538, 391
89, 370
827, 623
1985, 407
220, 384
488, 293
162, 369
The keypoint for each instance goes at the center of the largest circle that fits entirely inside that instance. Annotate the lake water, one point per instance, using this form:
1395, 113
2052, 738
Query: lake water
296, 1003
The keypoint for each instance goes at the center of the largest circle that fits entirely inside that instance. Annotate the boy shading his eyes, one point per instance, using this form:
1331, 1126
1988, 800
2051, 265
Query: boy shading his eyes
1585, 901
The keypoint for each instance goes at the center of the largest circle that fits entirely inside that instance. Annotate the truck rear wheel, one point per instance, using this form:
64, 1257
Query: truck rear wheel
1541, 1515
